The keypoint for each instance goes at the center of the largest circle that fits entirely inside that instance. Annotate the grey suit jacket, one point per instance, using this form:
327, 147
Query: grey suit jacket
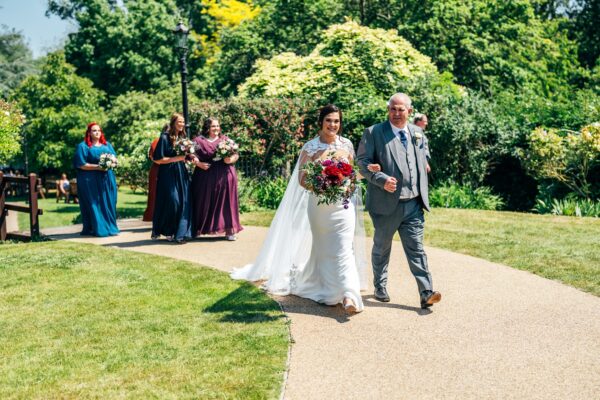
379, 145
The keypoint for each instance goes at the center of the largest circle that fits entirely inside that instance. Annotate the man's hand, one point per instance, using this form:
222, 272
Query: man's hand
390, 184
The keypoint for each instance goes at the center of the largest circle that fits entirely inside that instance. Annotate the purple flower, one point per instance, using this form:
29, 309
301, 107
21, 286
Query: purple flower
327, 163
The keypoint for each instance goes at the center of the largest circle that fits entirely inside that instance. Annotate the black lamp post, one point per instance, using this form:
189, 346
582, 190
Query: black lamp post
181, 33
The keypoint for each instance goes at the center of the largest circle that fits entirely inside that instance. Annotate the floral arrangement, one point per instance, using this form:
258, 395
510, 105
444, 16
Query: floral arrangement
225, 148
184, 146
108, 161
331, 180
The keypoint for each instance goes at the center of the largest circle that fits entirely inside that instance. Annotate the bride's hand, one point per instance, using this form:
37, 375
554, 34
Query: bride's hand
374, 167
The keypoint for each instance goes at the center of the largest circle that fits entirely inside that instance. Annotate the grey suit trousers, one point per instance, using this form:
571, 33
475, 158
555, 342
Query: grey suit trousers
408, 220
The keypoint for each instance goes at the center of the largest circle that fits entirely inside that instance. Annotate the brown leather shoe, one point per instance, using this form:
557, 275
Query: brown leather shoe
429, 298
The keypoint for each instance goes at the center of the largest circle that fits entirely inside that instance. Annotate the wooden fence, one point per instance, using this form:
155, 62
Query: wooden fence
34, 185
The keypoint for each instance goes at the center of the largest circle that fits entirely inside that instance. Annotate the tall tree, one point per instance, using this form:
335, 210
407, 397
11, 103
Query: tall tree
58, 105
491, 46
16, 61
121, 47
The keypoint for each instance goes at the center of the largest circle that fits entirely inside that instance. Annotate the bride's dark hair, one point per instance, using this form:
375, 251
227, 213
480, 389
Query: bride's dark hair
328, 109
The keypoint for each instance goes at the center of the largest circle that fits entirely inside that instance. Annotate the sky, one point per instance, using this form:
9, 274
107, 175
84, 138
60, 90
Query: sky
42, 34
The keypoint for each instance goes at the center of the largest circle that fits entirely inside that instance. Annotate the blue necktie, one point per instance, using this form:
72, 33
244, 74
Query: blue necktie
403, 138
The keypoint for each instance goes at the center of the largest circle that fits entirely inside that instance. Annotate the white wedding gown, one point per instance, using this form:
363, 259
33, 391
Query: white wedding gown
315, 251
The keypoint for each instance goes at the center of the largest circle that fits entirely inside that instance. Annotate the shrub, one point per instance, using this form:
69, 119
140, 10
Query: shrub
11, 121
246, 187
134, 168
458, 196
269, 192
270, 132
566, 157
569, 206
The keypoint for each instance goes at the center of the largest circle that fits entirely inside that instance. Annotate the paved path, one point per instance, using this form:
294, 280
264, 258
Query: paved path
12, 224
498, 333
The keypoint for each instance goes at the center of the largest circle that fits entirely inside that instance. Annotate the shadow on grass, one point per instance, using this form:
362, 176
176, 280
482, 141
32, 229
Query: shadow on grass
130, 212
246, 304
65, 208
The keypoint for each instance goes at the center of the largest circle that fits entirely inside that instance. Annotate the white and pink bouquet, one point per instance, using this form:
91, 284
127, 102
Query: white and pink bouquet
184, 146
225, 148
331, 180
108, 161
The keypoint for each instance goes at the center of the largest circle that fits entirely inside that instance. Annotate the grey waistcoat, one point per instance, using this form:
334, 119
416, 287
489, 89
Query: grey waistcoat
408, 169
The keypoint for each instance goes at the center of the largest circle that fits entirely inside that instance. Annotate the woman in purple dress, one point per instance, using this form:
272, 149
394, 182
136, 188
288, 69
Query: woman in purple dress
214, 186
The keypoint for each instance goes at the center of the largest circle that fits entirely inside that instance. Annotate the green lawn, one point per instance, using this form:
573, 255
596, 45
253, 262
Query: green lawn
84, 321
129, 205
566, 249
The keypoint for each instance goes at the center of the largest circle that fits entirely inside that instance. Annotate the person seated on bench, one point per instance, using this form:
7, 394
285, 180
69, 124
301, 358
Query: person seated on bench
63, 188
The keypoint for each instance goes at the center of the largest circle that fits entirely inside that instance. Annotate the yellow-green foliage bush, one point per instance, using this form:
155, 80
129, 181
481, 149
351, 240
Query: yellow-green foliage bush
350, 58
565, 156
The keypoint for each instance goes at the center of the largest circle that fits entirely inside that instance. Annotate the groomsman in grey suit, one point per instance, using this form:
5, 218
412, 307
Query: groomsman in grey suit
397, 193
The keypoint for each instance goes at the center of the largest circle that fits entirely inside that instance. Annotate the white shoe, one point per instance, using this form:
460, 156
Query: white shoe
231, 238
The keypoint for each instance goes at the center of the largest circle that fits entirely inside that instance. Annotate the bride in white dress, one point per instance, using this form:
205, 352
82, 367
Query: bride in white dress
315, 250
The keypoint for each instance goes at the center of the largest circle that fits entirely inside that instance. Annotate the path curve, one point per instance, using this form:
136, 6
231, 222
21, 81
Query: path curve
498, 332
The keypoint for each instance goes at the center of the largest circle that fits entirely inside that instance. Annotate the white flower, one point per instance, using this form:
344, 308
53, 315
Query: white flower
418, 135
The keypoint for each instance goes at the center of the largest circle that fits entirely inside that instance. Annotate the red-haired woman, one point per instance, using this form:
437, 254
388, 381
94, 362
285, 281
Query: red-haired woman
96, 187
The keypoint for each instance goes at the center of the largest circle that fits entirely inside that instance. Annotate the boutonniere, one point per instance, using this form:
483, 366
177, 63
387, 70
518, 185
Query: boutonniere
418, 135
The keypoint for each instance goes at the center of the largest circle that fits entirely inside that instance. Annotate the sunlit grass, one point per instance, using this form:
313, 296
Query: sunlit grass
83, 321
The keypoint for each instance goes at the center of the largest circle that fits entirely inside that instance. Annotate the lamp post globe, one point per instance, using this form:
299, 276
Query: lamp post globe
181, 34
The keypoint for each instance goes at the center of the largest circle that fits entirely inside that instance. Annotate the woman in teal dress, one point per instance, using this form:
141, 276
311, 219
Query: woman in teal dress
96, 187
172, 203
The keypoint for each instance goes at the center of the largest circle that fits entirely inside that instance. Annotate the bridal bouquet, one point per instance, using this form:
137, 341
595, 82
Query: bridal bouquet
331, 180
225, 148
108, 161
184, 146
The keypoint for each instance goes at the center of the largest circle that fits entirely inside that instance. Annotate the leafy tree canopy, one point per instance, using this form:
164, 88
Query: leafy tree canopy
121, 48
58, 105
490, 46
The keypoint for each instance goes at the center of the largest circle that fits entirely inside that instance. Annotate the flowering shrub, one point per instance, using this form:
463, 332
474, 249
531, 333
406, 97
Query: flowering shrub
269, 132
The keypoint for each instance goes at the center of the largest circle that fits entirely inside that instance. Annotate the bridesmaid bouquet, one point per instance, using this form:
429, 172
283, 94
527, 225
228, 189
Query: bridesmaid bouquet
331, 180
184, 146
225, 148
108, 161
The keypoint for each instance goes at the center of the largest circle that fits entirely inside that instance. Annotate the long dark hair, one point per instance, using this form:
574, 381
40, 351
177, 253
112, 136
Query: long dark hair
172, 131
206, 126
328, 109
